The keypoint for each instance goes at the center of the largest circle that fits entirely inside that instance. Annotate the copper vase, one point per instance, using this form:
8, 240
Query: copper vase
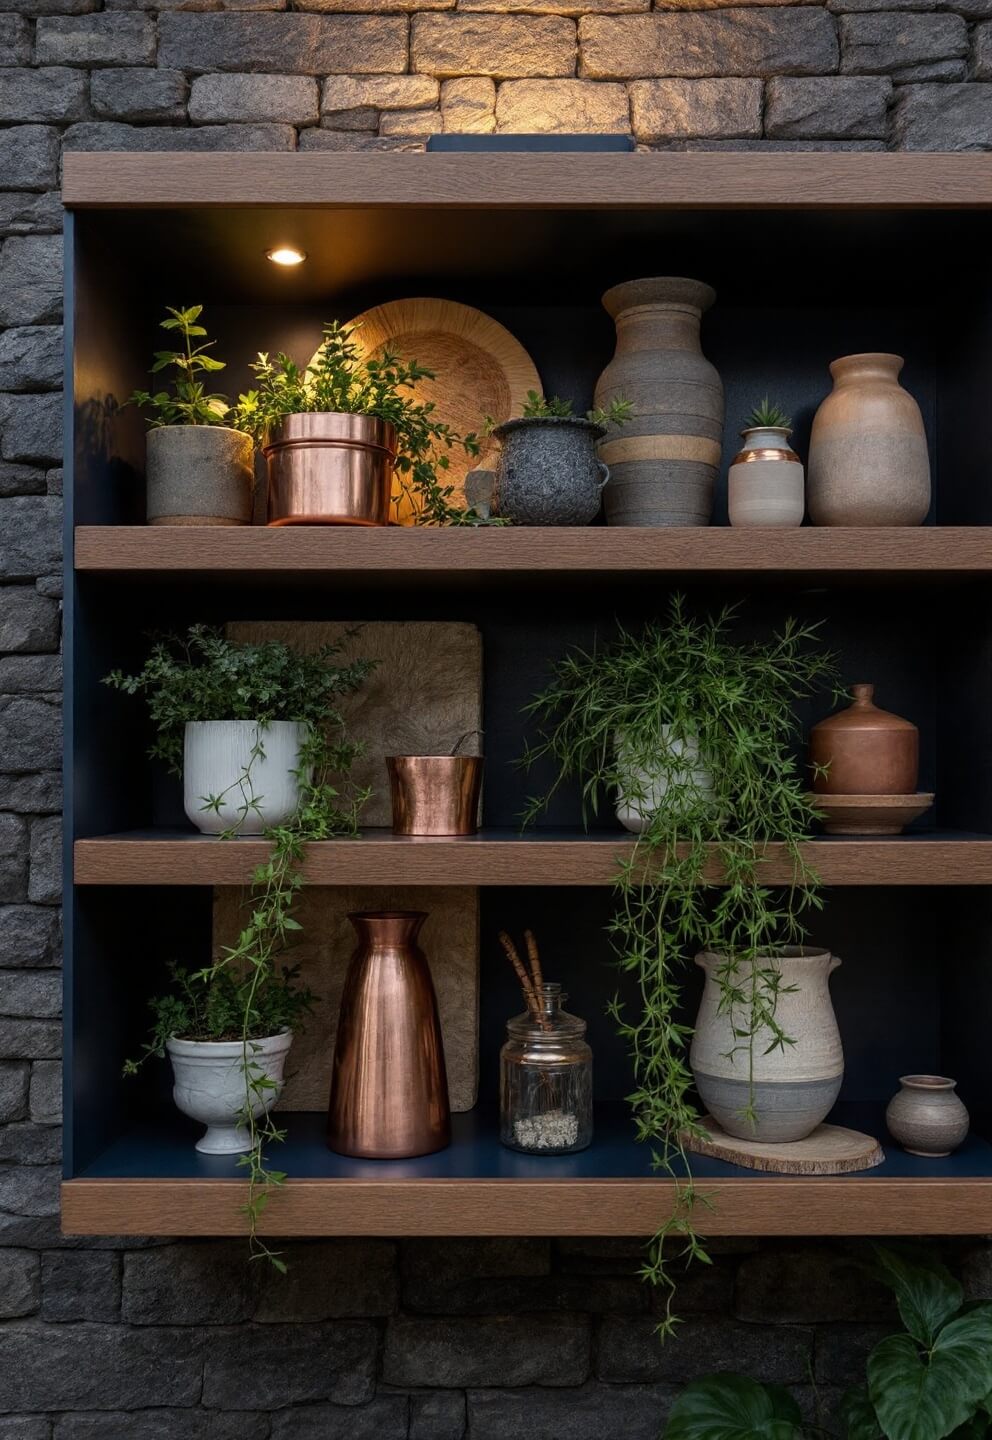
435, 794
864, 750
389, 1089
330, 469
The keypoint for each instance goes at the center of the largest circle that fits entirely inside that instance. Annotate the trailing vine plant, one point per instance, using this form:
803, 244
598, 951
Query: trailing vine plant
244, 994
681, 704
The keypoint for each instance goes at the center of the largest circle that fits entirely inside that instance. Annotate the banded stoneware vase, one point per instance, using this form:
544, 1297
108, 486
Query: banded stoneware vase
794, 1089
765, 480
926, 1116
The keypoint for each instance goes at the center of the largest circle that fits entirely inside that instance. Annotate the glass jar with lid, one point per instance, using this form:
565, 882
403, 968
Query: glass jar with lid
545, 1081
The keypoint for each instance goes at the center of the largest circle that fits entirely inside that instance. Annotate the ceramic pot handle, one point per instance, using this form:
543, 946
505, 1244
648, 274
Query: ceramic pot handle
835, 960
605, 471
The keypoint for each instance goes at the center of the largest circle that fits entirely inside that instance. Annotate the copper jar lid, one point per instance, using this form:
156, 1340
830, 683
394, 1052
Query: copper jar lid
864, 750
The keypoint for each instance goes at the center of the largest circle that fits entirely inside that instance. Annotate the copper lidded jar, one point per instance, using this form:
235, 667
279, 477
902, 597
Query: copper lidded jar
545, 1079
389, 1088
864, 750
435, 794
326, 468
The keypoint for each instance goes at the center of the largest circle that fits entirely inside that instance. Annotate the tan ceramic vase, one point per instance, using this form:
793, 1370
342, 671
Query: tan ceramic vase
926, 1117
664, 461
864, 750
868, 458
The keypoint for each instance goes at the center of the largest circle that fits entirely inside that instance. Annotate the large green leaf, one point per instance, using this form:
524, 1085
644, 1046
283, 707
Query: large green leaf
926, 1292
925, 1395
858, 1415
732, 1407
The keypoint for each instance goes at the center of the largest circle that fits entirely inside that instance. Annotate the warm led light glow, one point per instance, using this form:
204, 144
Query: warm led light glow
286, 255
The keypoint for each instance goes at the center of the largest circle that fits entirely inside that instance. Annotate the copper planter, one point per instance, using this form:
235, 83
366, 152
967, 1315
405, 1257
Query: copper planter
435, 794
330, 469
389, 1089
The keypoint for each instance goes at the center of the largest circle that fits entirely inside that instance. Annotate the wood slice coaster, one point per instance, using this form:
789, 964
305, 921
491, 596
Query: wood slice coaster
830, 1150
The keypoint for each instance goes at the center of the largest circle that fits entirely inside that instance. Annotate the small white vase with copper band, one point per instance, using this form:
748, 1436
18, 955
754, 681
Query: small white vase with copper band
765, 482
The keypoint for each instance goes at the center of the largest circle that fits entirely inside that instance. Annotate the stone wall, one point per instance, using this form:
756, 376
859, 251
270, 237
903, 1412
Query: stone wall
426, 1340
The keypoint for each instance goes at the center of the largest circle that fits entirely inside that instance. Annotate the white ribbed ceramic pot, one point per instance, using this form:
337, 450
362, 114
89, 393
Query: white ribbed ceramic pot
794, 1088
678, 773
210, 1086
217, 760
765, 482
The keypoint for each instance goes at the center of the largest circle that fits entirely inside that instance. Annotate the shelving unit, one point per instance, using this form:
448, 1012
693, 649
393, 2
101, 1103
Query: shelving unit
908, 609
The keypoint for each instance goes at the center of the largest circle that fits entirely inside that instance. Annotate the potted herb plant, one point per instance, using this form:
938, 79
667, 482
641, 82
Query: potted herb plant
696, 731
343, 442
244, 725
765, 480
548, 473
198, 470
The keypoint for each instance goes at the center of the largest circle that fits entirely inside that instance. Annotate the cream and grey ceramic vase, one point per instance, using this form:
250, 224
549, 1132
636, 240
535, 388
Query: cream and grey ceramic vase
664, 461
926, 1117
199, 475
765, 480
868, 457
792, 1089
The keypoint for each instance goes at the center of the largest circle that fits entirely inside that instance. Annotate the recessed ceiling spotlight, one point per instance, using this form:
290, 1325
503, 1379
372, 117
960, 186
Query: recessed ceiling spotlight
286, 255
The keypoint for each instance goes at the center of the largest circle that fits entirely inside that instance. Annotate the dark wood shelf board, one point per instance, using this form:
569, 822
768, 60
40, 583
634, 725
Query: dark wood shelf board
335, 556
153, 1182
547, 858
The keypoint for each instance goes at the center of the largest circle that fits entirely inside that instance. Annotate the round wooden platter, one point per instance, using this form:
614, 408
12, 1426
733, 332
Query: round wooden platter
480, 369
830, 1150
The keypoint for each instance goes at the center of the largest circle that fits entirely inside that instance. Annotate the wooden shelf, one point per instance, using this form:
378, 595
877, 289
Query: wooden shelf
152, 1182
546, 858
343, 556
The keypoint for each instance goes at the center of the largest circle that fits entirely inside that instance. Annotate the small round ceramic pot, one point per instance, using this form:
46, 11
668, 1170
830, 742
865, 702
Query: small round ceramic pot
548, 472
926, 1117
253, 791
210, 1086
765, 481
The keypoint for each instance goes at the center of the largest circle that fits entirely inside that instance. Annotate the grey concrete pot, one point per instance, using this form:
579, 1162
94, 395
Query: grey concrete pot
548, 472
198, 475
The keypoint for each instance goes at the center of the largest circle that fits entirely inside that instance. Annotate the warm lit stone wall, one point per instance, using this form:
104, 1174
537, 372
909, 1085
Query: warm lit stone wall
513, 1340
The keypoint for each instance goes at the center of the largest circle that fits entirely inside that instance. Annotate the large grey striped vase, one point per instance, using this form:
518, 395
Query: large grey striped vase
665, 460
794, 1088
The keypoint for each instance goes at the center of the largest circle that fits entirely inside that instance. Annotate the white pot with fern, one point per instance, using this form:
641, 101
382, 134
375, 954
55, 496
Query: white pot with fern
765, 483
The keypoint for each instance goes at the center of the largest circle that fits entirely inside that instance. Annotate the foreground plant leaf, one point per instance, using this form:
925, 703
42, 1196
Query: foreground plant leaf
732, 1407
924, 1395
858, 1415
926, 1292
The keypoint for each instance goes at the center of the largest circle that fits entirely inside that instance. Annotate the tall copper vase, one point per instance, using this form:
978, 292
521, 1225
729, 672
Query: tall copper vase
389, 1090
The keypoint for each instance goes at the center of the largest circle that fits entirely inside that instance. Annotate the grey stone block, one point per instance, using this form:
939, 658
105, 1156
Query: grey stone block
842, 1350
111, 136
30, 533
25, 1427
29, 936
32, 426
98, 1367
95, 40
207, 1284
290, 98
29, 158
318, 139
26, 1144
943, 117
52, 94
30, 674
889, 42
163, 1425
789, 1285
29, 1190
440, 1416
759, 41
284, 44
628, 1350
51, 585
265, 1367
14, 1079
31, 357
30, 1040
80, 1285
505, 1276
21, 480
981, 54
15, 40
31, 994
850, 107
672, 109
20, 1285
596, 1412
497, 1350
139, 94
331, 1280
25, 214
384, 1418
45, 875
53, 481
28, 622
32, 794
13, 845
31, 285
45, 1092
506, 46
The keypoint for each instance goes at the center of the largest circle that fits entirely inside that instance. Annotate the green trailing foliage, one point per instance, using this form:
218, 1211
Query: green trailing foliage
614, 720
766, 415
540, 407
732, 1407
185, 401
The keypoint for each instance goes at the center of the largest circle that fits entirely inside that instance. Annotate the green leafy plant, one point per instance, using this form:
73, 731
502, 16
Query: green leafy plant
768, 416
341, 380
204, 676
187, 402
538, 407
733, 1407
601, 722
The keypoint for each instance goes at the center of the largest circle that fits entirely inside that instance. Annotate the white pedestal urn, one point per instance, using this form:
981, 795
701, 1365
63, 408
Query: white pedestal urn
256, 790
676, 778
792, 1089
210, 1086
765, 482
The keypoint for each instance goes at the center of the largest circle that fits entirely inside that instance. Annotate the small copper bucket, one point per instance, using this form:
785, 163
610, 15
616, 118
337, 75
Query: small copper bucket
389, 1089
435, 794
330, 469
